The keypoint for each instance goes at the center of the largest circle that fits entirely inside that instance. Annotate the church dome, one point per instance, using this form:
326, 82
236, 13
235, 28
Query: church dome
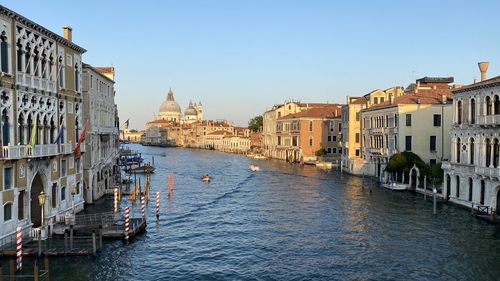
190, 110
170, 106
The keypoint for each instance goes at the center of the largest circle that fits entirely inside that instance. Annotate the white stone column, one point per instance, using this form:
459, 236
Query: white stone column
492, 151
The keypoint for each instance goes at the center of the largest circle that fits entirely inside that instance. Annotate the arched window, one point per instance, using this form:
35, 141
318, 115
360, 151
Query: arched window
5, 128
496, 105
28, 129
458, 150
4, 53
471, 156
496, 151
473, 111
311, 141
36, 59
61, 72
459, 112
488, 105
481, 196
457, 190
470, 189
52, 130
27, 57
310, 126
20, 54
488, 152
20, 123
76, 130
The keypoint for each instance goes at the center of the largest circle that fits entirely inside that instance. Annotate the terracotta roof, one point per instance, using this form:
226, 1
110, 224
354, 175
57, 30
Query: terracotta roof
313, 104
492, 82
317, 112
432, 96
361, 100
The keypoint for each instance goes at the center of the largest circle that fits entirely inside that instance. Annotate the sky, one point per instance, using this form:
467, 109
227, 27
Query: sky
239, 58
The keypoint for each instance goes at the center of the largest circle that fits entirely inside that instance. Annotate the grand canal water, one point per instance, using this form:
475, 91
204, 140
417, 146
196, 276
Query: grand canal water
288, 222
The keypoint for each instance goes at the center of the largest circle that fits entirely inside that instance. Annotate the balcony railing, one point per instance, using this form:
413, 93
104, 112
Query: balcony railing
24, 79
487, 171
66, 148
488, 120
26, 151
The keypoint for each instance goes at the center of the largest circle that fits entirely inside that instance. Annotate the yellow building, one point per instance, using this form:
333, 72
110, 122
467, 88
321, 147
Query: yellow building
418, 121
352, 152
41, 107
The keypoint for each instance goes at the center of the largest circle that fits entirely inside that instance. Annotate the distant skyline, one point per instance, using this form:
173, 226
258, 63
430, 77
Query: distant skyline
240, 57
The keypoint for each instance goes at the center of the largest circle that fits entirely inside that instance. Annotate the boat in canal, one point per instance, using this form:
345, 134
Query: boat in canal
395, 186
254, 168
145, 169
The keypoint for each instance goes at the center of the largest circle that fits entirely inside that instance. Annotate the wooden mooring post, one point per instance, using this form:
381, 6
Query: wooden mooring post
65, 243
36, 272
94, 247
71, 237
12, 269
46, 267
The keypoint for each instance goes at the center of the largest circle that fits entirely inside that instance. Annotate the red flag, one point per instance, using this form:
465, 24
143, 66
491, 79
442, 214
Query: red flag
77, 151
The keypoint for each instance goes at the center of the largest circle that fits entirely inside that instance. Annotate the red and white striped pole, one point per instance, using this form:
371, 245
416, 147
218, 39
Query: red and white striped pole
19, 253
157, 205
143, 209
127, 221
115, 199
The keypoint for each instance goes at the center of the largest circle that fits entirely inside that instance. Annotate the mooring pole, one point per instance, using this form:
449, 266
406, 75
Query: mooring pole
434, 191
71, 237
94, 250
19, 248
127, 221
46, 267
65, 242
36, 272
425, 187
12, 269
157, 205
100, 237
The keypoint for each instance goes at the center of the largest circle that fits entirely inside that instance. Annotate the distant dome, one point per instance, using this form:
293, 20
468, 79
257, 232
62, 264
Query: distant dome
170, 106
190, 110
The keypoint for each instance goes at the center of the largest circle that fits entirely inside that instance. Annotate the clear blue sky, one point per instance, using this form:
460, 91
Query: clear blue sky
241, 57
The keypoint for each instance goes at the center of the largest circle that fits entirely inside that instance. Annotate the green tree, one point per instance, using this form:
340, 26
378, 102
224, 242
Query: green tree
255, 123
320, 152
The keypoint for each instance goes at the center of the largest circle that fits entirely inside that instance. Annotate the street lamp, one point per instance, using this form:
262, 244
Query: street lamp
73, 192
41, 201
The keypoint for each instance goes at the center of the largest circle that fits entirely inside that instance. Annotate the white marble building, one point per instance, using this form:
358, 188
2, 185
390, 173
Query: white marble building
472, 177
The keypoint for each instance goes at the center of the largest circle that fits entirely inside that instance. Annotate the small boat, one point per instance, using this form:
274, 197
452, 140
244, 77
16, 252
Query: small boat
394, 186
258, 156
205, 178
141, 169
254, 168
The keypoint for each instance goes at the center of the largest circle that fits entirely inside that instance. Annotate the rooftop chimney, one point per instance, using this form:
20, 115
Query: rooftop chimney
68, 33
483, 67
443, 99
391, 98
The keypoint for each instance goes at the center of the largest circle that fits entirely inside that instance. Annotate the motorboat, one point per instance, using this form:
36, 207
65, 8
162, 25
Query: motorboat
145, 169
395, 186
254, 168
322, 164
205, 178
258, 156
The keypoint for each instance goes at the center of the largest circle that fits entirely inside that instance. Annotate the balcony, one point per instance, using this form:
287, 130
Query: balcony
12, 152
487, 171
27, 80
376, 131
488, 120
66, 148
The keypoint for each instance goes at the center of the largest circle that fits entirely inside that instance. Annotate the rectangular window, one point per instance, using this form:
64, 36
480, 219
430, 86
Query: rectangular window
91, 81
357, 152
432, 144
54, 195
408, 143
334, 138
7, 212
340, 127
329, 150
357, 137
63, 168
63, 193
279, 140
433, 162
375, 100
340, 149
4, 55
381, 99
329, 138
334, 150
7, 178
408, 120
437, 120
310, 126
20, 204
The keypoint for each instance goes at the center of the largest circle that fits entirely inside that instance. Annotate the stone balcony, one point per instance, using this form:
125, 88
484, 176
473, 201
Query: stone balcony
12, 152
487, 171
27, 80
488, 120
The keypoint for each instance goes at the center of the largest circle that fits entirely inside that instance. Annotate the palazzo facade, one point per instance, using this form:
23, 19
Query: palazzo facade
41, 122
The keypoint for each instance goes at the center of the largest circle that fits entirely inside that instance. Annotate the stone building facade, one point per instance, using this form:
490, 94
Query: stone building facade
472, 176
100, 168
41, 107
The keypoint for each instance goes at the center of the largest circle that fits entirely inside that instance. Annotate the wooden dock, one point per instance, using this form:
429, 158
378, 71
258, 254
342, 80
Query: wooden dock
137, 227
